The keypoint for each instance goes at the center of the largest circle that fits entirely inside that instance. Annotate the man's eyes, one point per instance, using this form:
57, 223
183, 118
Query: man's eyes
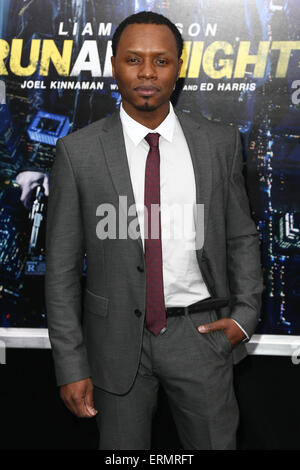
162, 61
134, 60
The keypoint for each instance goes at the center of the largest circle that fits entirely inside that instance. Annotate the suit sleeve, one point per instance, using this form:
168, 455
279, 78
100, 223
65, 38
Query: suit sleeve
243, 250
64, 262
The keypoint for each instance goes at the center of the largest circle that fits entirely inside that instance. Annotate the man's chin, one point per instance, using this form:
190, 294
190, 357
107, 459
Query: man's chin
146, 107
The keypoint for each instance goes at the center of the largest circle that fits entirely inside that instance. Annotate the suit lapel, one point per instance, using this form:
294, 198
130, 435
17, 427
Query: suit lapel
198, 143
112, 141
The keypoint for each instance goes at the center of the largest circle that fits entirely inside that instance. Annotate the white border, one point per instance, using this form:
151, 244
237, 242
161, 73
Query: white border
265, 345
273, 345
35, 338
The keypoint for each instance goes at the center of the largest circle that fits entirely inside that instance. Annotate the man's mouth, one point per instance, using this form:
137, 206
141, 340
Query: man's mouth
146, 90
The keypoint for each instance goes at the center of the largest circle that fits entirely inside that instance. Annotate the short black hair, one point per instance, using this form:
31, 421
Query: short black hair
146, 17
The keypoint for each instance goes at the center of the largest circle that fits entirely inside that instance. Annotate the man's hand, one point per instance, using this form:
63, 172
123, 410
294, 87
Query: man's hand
28, 181
79, 398
233, 332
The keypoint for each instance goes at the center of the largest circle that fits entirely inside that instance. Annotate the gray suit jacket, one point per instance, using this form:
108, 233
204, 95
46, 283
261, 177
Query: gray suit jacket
97, 331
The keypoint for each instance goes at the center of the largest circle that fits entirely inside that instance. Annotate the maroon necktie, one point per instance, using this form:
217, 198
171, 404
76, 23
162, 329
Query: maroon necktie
155, 302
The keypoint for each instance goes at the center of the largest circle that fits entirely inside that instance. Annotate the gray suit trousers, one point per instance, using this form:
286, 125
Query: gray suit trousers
195, 370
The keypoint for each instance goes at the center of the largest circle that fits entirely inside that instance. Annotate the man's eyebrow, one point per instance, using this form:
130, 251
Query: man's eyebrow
141, 52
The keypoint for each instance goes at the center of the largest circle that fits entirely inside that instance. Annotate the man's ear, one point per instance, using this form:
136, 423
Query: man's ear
112, 59
180, 62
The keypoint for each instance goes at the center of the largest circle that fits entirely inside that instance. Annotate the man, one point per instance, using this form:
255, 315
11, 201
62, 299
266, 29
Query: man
157, 309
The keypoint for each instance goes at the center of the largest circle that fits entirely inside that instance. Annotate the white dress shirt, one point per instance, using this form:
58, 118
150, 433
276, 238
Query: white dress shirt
182, 279
183, 283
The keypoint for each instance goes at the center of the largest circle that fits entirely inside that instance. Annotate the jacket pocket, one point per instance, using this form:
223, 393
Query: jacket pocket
95, 304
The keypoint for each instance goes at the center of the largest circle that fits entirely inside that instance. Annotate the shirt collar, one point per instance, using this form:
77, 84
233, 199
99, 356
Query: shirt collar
137, 132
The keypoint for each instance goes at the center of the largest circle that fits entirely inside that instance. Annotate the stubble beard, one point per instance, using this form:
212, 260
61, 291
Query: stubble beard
146, 107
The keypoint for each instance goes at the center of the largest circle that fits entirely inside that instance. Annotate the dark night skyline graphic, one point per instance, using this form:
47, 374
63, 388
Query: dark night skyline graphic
33, 119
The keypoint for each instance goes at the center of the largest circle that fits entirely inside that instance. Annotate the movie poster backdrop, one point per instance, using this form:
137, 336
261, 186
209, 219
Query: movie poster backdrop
241, 66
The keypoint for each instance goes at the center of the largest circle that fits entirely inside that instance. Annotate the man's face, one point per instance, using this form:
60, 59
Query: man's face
146, 67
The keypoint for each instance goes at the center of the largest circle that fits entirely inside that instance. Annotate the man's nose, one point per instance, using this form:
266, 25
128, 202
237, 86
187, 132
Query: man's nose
147, 70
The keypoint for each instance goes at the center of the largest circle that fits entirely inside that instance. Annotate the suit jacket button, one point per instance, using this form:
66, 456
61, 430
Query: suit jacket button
140, 269
137, 312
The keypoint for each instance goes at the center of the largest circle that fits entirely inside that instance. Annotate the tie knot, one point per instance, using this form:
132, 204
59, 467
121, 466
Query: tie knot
152, 139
